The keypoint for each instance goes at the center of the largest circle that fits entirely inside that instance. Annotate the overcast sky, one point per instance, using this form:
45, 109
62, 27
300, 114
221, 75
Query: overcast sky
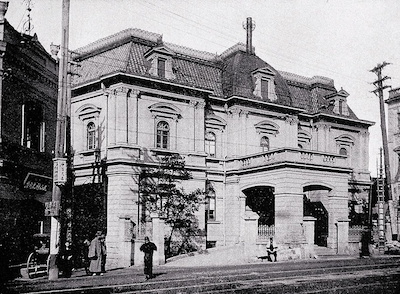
339, 39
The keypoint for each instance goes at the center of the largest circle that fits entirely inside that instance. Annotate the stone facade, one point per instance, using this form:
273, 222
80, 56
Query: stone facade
252, 133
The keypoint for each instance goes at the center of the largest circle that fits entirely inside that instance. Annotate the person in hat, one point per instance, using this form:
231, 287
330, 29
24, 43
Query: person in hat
148, 248
97, 251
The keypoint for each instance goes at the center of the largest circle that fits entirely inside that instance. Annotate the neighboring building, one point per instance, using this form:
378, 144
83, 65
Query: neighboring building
28, 104
280, 154
393, 103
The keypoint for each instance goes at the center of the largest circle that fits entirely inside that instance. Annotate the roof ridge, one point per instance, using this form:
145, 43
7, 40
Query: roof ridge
127, 33
237, 47
204, 55
306, 80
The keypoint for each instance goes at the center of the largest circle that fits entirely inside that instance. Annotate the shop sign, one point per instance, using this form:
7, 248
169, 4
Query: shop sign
52, 208
37, 182
60, 171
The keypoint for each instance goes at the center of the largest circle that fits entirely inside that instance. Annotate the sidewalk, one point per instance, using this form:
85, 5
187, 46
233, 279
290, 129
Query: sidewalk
121, 278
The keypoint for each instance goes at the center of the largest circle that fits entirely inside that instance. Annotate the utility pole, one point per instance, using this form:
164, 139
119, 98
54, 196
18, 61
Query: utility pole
379, 92
60, 161
381, 198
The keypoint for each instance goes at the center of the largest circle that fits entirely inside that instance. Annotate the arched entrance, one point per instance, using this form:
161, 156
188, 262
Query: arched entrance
260, 199
315, 200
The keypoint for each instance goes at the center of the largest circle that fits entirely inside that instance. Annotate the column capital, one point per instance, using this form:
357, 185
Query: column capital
121, 91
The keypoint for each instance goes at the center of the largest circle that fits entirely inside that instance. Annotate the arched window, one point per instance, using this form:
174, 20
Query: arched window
162, 140
210, 146
91, 136
343, 151
264, 143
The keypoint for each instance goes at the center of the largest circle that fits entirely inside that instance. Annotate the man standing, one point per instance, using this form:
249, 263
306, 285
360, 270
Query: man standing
148, 248
96, 254
271, 249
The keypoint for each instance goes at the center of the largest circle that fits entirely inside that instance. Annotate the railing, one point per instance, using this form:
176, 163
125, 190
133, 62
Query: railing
355, 233
289, 155
265, 231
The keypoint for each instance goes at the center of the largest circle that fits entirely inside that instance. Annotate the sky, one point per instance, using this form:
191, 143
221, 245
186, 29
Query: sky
339, 39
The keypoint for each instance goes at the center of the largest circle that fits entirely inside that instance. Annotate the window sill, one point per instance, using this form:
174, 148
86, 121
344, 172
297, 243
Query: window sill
88, 152
213, 222
158, 151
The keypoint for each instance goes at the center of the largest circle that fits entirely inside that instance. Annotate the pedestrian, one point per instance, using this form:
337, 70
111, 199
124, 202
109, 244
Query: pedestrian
148, 248
271, 250
104, 253
85, 257
67, 260
96, 254
365, 241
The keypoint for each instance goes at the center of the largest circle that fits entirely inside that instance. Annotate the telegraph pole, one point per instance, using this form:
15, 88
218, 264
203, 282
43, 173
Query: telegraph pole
379, 92
60, 160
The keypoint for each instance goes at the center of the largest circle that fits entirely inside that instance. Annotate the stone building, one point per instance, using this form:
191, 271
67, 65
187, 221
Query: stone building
28, 103
393, 103
280, 154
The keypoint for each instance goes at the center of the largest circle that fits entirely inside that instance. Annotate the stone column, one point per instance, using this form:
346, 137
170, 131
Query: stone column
288, 217
122, 211
309, 229
158, 239
111, 114
250, 232
133, 117
342, 226
126, 236
121, 119
291, 122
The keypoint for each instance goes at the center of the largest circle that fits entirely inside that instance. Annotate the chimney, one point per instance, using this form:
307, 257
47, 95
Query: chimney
250, 26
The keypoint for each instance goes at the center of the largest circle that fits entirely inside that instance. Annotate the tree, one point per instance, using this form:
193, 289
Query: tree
161, 192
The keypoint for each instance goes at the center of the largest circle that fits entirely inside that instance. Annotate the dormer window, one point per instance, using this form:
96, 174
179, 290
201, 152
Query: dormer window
161, 67
339, 102
264, 88
264, 85
160, 59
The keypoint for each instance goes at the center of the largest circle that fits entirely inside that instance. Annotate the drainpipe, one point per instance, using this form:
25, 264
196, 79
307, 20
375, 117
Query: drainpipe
224, 199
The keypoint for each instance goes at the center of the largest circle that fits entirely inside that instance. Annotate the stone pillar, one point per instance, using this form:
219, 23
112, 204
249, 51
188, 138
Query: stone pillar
342, 236
122, 211
126, 226
250, 233
111, 120
133, 117
121, 127
158, 239
288, 218
138, 258
309, 229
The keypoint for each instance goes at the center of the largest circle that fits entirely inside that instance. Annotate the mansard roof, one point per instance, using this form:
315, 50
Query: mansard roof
228, 74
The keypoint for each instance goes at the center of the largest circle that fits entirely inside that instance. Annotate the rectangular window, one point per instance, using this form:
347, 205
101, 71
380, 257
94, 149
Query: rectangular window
210, 208
33, 127
161, 67
264, 88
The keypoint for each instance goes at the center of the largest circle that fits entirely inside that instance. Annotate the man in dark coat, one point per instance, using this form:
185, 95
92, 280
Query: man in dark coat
97, 252
148, 248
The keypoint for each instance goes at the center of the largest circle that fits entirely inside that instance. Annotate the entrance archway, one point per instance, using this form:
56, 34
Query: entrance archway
261, 199
315, 200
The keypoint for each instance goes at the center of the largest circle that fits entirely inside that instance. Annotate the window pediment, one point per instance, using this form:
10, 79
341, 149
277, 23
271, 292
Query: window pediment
215, 122
165, 110
88, 111
267, 127
162, 50
304, 136
345, 140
